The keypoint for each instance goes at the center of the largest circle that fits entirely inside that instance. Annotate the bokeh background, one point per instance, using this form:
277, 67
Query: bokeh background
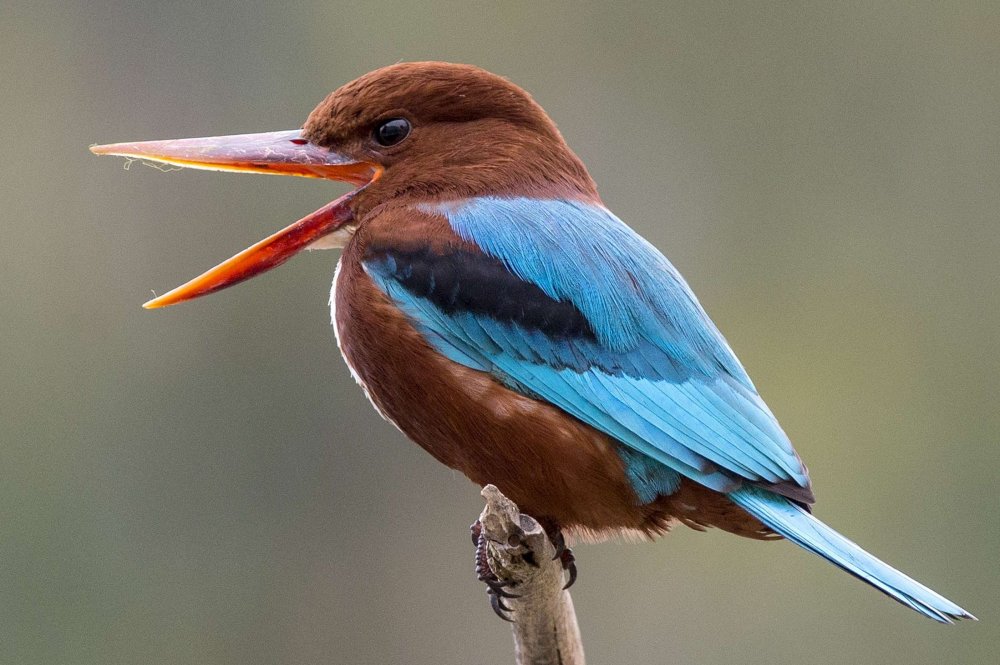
205, 484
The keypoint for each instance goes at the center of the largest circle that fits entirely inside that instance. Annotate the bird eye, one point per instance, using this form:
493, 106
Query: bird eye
392, 131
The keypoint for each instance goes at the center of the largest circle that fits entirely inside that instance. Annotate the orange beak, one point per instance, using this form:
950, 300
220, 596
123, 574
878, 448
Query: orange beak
278, 153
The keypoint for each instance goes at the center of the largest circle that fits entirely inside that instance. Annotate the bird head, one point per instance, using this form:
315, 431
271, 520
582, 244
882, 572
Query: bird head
403, 134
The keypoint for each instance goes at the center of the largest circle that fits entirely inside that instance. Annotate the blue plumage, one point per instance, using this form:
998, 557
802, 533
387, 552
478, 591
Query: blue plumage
583, 254
807, 532
606, 329
659, 376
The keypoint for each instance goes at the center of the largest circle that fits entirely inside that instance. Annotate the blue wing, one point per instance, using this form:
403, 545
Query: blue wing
561, 301
567, 304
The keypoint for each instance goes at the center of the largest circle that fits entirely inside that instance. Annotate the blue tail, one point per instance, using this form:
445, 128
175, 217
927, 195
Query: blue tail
798, 526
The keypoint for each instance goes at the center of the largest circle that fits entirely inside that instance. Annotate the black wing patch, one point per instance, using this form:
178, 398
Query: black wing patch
466, 281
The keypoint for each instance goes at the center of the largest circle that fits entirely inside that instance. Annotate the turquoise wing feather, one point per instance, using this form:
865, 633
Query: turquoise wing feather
639, 360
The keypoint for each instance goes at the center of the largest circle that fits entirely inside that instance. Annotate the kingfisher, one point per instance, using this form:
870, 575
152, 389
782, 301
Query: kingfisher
496, 312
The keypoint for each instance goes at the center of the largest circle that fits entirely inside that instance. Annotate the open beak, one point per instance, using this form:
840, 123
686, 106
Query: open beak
278, 153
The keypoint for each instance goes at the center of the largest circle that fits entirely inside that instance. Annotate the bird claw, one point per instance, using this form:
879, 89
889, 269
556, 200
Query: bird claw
499, 608
499, 591
494, 585
569, 564
564, 554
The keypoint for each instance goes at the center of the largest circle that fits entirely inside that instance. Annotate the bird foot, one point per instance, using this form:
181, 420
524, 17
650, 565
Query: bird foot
495, 587
563, 553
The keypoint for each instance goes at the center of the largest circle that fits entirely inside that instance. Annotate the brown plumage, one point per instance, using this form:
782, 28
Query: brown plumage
474, 133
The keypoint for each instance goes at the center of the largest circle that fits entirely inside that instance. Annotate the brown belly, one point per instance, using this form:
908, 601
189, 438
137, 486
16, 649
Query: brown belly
553, 466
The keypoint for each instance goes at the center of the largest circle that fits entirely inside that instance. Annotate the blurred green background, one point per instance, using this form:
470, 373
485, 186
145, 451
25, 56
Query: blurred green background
205, 484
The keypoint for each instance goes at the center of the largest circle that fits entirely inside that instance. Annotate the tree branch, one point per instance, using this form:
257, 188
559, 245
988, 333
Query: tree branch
519, 552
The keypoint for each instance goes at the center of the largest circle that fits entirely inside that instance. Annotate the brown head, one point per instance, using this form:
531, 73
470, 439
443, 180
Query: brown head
452, 131
406, 133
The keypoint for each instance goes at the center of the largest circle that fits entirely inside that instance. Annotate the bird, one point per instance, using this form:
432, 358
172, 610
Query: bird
495, 311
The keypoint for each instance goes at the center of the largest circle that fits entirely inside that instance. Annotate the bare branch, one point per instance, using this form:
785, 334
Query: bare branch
519, 552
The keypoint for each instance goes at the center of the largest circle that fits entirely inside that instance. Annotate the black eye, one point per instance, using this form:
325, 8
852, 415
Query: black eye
392, 131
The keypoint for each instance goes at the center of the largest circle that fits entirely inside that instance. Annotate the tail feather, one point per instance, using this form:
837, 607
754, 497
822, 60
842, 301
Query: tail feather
800, 527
